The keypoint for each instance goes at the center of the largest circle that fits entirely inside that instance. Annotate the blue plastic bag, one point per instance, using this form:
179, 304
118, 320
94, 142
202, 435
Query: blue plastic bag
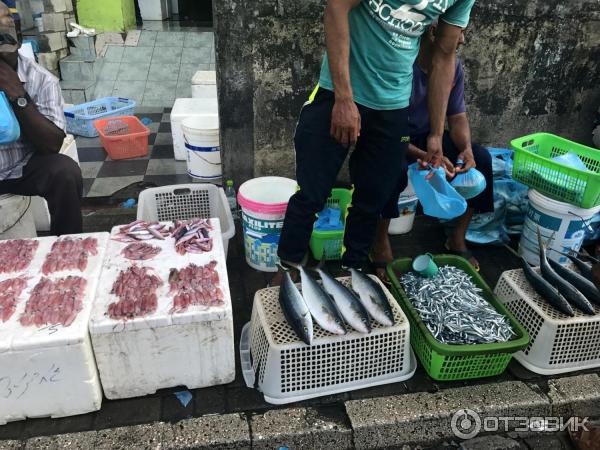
502, 162
437, 197
571, 160
469, 184
9, 125
489, 228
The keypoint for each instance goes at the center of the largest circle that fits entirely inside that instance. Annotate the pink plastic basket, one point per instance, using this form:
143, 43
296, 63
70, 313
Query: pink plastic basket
123, 137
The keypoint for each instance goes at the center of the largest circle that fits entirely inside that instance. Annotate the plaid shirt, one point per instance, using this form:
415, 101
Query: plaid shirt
44, 90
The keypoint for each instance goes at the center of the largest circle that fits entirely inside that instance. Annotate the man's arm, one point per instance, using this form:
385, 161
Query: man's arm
441, 76
42, 133
345, 118
460, 133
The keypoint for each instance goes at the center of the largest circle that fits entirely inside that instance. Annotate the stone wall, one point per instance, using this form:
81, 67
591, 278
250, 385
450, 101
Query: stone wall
531, 65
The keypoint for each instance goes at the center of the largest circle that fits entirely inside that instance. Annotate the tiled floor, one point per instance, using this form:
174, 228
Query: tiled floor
102, 176
160, 68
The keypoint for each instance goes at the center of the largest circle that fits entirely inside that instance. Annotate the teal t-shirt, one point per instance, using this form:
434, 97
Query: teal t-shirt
384, 43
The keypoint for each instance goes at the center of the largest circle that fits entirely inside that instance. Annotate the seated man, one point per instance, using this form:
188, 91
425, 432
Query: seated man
456, 140
32, 165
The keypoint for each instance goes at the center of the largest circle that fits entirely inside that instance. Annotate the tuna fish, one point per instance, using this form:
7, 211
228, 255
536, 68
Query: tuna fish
295, 310
373, 298
320, 305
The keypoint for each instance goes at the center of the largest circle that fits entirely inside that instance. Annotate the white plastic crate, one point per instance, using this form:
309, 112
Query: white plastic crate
288, 370
188, 201
50, 371
558, 343
164, 349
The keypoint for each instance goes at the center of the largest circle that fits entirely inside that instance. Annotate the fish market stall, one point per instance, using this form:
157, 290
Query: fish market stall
289, 358
47, 286
162, 315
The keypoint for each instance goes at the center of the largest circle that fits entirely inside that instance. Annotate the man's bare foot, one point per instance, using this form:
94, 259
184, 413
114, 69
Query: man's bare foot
381, 251
459, 247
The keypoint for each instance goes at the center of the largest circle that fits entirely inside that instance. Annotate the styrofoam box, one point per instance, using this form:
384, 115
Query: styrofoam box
192, 348
182, 109
50, 371
558, 343
204, 84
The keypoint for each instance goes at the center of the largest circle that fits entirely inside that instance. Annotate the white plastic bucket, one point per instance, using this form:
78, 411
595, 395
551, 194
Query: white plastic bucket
562, 221
407, 206
201, 136
16, 219
264, 202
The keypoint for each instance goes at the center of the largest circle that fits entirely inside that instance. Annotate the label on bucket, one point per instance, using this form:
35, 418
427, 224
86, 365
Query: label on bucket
406, 208
261, 239
566, 233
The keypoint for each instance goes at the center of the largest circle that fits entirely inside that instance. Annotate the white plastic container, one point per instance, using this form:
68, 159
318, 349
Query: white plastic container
407, 206
154, 9
182, 109
201, 136
264, 203
204, 84
558, 343
562, 221
50, 371
289, 370
187, 201
192, 348
16, 218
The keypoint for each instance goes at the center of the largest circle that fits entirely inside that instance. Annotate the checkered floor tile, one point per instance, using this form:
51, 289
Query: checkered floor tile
102, 176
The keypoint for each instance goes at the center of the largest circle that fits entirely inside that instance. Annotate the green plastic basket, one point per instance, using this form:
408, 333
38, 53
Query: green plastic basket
534, 167
330, 243
448, 362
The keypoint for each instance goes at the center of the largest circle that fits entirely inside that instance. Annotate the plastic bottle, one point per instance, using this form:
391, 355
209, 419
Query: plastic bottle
231, 198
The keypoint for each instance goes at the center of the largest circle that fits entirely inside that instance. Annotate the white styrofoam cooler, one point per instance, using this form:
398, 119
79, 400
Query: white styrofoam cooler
50, 371
182, 109
204, 84
192, 348
154, 9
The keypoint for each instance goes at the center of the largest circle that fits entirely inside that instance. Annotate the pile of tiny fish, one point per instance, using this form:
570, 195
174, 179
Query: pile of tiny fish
10, 291
54, 302
140, 230
195, 285
16, 255
70, 254
333, 303
192, 236
140, 251
452, 309
136, 288
562, 287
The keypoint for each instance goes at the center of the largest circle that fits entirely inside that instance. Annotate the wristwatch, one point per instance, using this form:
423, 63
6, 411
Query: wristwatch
21, 102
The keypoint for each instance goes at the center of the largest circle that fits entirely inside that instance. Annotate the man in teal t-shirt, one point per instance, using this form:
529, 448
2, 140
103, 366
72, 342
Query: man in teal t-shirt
361, 101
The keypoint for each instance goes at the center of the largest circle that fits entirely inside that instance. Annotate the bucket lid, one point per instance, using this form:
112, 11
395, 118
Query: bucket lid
205, 123
560, 207
268, 195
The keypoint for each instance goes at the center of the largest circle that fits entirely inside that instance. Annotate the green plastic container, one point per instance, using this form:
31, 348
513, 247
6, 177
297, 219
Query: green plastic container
448, 362
330, 243
534, 167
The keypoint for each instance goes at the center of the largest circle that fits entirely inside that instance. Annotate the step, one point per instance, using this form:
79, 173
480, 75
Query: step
83, 47
77, 92
77, 68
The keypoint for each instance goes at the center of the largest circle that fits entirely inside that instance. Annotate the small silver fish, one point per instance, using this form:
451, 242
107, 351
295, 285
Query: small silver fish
347, 303
320, 305
373, 298
295, 310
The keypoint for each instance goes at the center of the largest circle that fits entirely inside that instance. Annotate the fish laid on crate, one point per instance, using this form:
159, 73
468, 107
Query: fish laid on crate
54, 302
373, 298
195, 285
10, 291
140, 251
136, 289
568, 291
192, 236
585, 286
16, 255
582, 266
320, 305
70, 254
295, 310
453, 310
348, 304
140, 230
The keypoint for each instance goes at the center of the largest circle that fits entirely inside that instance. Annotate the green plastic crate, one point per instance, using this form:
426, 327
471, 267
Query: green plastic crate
330, 243
448, 362
534, 167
